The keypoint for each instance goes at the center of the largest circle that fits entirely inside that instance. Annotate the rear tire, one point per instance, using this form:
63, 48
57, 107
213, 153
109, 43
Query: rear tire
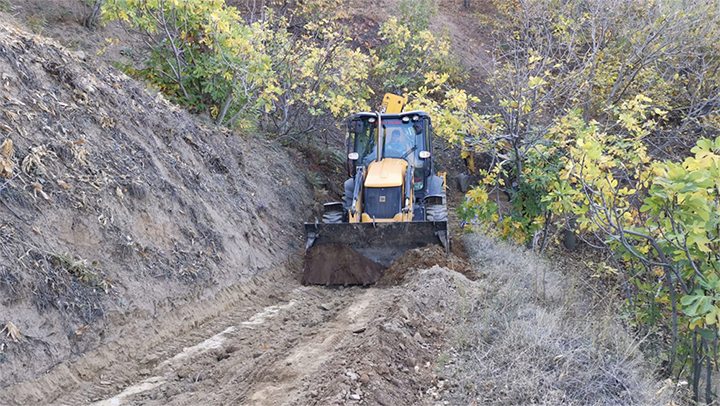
332, 217
436, 212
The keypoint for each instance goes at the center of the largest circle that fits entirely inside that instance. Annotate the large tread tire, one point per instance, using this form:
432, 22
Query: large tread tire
332, 217
436, 212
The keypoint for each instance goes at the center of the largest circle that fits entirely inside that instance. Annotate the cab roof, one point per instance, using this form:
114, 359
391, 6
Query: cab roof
386, 115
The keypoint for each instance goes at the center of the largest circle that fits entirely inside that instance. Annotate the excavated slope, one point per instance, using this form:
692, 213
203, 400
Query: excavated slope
115, 205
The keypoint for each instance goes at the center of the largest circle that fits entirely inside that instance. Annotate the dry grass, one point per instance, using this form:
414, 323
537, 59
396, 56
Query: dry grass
6, 6
535, 339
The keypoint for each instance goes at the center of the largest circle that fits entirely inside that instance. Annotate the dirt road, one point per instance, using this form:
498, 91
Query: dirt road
268, 342
425, 335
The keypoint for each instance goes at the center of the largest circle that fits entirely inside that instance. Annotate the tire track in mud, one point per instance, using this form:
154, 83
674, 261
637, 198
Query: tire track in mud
268, 360
188, 354
146, 341
267, 342
305, 359
252, 344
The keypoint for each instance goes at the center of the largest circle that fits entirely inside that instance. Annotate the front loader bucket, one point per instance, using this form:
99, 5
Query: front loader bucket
358, 253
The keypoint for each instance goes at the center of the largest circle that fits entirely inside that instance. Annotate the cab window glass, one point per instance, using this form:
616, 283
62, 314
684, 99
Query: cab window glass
402, 142
365, 143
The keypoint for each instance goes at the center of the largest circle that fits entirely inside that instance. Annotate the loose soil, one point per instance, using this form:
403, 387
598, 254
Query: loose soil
338, 264
424, 258
271, 341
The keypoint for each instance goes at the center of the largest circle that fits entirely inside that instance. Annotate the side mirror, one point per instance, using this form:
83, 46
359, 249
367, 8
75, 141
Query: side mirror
353, 156
424, 154
358, 128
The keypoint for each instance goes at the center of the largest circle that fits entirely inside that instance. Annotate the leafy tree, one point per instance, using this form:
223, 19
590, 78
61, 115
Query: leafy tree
319, 74
409, 51
602, 113
204, 55
666, 242
589, 57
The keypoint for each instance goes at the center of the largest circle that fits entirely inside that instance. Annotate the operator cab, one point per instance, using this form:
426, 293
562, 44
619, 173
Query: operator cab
403, 136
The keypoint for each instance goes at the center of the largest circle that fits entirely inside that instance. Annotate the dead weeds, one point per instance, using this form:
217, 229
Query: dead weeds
534, 339
55, 287
7, 158
12, 331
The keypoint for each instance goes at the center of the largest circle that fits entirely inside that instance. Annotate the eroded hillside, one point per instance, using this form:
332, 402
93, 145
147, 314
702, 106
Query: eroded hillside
117, 204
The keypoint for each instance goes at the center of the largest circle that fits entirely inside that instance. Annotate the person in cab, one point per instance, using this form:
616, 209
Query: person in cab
396, 147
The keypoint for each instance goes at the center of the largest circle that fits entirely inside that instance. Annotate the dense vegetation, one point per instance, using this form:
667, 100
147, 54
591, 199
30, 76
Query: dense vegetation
601, 116
605, 115
279, 70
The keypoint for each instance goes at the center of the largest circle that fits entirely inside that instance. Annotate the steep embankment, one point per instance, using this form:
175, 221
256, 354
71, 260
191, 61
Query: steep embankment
117, 205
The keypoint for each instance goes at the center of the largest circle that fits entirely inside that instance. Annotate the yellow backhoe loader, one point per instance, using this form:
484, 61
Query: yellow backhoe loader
393, 200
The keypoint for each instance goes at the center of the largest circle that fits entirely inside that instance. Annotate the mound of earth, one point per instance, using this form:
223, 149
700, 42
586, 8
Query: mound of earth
115, 204
392, 353
427, 257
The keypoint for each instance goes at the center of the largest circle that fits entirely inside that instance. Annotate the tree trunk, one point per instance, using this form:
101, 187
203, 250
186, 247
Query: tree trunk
93, 14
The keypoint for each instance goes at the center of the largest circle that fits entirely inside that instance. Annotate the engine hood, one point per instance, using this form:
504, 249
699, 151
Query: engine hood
387, 173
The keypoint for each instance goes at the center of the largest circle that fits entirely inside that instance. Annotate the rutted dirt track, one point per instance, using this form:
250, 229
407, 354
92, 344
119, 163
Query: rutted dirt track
268, 342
